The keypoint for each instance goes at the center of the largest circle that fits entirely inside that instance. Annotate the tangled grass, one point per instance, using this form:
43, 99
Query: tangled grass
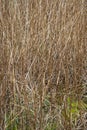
43, 64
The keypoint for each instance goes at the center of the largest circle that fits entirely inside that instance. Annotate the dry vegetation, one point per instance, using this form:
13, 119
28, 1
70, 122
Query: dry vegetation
42, 64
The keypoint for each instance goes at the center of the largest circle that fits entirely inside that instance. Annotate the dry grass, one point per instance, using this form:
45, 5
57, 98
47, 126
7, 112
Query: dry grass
42, 63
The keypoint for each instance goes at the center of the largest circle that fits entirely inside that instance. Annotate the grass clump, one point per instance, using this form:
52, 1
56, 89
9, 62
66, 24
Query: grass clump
42, 64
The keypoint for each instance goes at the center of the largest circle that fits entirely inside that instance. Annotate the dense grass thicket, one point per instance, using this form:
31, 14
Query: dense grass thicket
43, 65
